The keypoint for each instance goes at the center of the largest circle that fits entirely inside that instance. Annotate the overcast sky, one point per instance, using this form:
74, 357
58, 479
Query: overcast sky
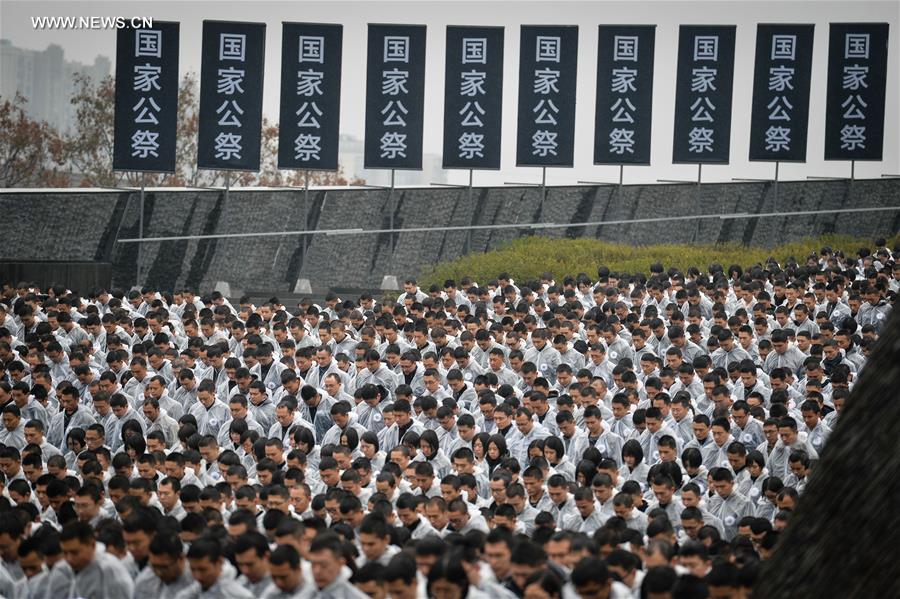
83, 46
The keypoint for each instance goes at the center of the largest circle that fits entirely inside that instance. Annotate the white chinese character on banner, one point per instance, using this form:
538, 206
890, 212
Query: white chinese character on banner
625, 47
702, 108
700, 139
784, 47
621, 108
308, 113
311, 48
393, 144
778, 139
146, 77
856, 45
854, 105
228, 146
144, 144
545, 81
854, 77
546, 109
472, 83
393, 82
779, 109
229, 118
703, 79
394, 110
853, 137
781, 78
146, 116
307, 147
622, 80
474, 50
229, 82
543, 143
309, 83
232, 46
148, 42
471, 145
547, 48
471, 111
396, 48
706, 47
621, 141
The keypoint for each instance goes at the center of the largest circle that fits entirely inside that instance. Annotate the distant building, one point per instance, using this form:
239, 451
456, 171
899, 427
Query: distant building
44, 78
352, 159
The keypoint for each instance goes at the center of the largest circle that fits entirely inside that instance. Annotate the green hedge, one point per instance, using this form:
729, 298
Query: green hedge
529, 257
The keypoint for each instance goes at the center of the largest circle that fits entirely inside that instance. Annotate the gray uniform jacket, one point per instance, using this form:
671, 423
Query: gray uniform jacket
223, 589
148, 585
103, 578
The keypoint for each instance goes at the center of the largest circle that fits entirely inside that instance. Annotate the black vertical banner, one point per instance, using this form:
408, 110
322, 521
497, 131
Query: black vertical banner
395, 96
473, 97
703, 89
309, 123
857, 77
146, 104
781, 78
622, 122
548, 64
231, 84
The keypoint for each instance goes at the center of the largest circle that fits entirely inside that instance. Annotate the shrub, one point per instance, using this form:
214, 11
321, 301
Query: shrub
529, 257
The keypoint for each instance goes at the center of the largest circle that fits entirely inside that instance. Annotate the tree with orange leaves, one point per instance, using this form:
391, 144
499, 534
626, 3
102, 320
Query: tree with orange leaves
31, 152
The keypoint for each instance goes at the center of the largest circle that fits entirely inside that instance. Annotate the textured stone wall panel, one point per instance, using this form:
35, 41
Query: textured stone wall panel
82, 225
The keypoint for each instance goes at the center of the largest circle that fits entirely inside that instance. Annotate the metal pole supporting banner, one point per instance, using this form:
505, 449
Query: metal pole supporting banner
621, 180
140, 253
618, 188
697, 201
543, 191
391, 211
775, 190
471, 215
305, 210
852, 170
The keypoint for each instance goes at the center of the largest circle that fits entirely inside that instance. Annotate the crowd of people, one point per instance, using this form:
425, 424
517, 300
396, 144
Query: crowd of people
643, 435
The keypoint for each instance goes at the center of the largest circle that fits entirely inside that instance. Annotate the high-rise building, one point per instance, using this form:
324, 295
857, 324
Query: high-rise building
45, 79
351, 157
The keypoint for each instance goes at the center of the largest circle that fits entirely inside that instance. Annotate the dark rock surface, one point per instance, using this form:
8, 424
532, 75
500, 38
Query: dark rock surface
840, 542
85, 224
